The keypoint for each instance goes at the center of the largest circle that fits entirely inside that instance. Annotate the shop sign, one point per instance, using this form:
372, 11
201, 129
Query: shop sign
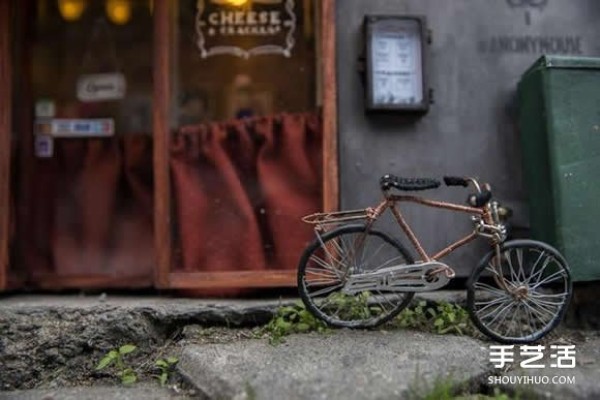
69, 128
101, 87
262, 27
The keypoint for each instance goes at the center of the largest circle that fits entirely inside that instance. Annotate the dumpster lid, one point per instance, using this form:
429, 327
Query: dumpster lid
564, 62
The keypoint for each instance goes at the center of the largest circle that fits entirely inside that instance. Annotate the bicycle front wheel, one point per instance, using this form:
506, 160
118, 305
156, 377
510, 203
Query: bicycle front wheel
525, 298
328, 262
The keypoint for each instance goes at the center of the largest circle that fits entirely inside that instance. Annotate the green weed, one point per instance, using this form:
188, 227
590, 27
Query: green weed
445, 388
116, 358
292, 319
444, 318
165, 366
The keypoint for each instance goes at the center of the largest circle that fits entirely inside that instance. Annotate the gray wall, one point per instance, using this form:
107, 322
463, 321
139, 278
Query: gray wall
480, 49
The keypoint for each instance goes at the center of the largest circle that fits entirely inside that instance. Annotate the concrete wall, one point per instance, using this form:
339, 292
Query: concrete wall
479, 51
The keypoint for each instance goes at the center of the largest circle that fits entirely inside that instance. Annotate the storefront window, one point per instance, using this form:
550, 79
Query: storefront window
88, 178
92, 59
246, 155
244, 58
245, 144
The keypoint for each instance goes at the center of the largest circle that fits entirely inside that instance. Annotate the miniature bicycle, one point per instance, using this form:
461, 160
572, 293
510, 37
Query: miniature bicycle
355, 276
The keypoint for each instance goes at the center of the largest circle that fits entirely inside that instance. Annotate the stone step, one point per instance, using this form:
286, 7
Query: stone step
342, 365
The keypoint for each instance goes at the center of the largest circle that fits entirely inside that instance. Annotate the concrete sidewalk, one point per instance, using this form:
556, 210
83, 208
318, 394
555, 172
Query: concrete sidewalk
54, 341
344, 365
138, 392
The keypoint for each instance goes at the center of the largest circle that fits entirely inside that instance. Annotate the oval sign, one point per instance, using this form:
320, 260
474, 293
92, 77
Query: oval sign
101, 87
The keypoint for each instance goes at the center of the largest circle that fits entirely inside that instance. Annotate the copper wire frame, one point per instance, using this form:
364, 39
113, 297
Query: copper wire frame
390, 203
320, 220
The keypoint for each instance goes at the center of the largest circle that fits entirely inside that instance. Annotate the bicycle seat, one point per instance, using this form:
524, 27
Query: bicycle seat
389, 181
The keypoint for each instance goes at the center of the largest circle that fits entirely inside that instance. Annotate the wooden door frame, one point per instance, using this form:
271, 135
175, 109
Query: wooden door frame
164, 278
5, 137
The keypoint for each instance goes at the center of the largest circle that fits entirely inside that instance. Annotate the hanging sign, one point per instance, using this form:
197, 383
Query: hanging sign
100, 127
101, 87
255, 27
395, 63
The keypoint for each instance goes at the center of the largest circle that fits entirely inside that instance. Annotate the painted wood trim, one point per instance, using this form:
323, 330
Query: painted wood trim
5, 136
25, 139
330, 134
53, 282
160, 128
224, 279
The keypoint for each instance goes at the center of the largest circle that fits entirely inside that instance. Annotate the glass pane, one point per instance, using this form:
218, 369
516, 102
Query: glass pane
246, 159
397, 62
241, 58
90, 189
92, 59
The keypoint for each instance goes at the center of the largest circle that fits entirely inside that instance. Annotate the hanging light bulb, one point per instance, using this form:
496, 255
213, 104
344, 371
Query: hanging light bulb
71, 10
237, 3
118, 11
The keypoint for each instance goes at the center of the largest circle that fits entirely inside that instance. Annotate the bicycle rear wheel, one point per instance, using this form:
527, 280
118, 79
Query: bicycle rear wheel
539, 290
331, 258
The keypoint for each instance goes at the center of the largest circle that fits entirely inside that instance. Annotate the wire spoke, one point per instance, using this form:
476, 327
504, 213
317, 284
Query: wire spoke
372, 256
513, 319
543, 318
391, 260
493, 303
520, 262
535, 264
510, 266
551, 278
490, 289
537, 290
551, 310
327, 272
326, 266
503, 313
320, 272
326, 290
489, 314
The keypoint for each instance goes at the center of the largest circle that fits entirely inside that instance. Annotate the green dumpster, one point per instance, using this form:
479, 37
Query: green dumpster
559, 121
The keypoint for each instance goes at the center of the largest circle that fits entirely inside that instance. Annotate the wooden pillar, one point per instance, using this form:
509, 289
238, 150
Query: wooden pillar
160, 127
5, 135
330, 148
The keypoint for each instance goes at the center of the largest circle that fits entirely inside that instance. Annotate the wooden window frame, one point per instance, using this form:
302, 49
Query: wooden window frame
164, 277
5, 137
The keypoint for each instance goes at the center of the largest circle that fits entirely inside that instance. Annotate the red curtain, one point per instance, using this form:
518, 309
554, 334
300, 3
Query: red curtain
240, 189
92, 210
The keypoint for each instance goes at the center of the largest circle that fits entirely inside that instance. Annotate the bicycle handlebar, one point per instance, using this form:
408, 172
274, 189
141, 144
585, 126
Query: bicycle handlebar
459, 181
455, 181
478, 199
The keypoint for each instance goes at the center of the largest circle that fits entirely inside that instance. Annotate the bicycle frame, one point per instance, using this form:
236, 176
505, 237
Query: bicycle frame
320, 220
391, 203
